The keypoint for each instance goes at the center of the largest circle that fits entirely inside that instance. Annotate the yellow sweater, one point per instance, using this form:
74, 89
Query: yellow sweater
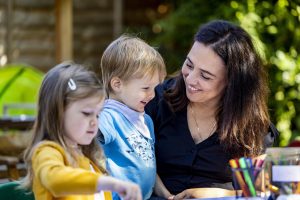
55, 179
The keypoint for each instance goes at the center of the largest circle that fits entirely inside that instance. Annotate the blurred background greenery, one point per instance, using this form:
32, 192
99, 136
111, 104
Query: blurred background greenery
275, 27
19, 86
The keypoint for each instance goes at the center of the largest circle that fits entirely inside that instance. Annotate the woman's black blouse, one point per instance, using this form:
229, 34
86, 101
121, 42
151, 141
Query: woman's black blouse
182, 164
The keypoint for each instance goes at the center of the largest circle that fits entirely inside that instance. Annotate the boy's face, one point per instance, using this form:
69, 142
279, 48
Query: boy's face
137, 92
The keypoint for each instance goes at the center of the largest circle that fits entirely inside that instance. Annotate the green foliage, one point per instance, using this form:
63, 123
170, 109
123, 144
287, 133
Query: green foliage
275, 27
179, 27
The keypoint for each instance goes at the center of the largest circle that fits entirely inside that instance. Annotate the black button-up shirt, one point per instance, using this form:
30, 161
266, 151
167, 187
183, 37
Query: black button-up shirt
182, 164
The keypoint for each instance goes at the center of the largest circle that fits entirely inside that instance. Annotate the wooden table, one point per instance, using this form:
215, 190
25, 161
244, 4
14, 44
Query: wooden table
11, 159
16, 123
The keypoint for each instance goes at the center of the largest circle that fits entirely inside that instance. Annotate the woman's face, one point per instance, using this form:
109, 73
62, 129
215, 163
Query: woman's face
204, 74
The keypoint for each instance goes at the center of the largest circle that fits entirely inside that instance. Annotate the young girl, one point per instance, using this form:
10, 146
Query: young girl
62, 156
130, 71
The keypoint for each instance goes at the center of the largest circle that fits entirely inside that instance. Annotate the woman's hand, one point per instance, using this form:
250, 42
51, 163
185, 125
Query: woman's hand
161, 190
127, 190
204, 193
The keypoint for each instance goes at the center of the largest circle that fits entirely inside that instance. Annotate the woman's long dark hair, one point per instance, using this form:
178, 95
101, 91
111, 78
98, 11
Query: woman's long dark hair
242, 116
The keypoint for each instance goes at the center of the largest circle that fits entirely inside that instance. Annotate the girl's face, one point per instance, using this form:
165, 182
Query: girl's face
204, 74
136, 93
81, 120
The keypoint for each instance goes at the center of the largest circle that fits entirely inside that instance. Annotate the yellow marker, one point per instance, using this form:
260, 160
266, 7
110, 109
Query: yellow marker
274, 189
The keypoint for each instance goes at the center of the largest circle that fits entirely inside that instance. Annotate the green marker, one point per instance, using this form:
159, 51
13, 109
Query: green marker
247, 176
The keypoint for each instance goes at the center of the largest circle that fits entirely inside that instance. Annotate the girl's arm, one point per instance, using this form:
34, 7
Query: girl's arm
50, 169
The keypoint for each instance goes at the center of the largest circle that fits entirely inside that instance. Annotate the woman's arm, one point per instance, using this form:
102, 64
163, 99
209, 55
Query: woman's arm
209, 192
204, 193
161, 190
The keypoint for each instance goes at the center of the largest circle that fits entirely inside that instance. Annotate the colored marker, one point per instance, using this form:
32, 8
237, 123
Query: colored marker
258, 165
247, 176
239, 178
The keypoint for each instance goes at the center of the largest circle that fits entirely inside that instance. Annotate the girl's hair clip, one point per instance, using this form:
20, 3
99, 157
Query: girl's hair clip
72, 84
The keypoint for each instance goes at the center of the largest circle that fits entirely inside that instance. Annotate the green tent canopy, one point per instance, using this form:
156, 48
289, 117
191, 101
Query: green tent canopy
19, 86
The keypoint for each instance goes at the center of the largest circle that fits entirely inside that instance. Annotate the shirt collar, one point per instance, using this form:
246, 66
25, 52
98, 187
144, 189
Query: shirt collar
137, 119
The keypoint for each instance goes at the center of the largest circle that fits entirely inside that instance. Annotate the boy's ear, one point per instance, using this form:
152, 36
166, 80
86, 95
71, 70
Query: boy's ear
116, 83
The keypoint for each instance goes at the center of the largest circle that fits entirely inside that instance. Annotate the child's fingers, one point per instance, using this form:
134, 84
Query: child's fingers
131, 192
134, 193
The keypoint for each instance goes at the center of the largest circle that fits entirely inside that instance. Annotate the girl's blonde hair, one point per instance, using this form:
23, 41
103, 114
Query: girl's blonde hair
55, 95
130, 57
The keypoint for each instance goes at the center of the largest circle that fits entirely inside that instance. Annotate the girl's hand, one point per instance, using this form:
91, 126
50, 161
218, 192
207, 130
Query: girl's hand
127, 190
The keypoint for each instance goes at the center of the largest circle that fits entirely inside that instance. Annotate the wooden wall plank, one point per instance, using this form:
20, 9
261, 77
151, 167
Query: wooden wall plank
64, 30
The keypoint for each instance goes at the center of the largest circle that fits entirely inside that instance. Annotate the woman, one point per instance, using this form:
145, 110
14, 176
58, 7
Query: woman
215, 109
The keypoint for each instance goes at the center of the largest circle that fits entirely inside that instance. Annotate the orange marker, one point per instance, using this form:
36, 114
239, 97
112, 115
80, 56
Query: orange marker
298, 188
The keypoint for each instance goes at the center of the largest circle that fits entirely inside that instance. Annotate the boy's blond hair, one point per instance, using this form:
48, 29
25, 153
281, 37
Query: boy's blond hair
130, 57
